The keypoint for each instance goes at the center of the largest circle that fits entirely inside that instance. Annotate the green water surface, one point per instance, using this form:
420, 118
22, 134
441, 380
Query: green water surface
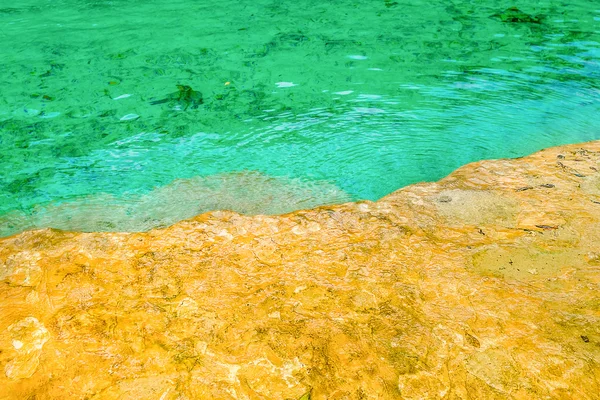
281, 104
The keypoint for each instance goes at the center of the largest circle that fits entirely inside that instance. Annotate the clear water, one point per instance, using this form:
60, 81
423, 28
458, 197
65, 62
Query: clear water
302, 102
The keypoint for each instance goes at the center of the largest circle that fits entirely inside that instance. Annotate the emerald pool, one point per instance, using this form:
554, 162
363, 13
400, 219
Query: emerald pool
128, 115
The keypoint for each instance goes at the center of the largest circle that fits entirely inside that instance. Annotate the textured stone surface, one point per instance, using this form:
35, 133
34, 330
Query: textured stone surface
484, 285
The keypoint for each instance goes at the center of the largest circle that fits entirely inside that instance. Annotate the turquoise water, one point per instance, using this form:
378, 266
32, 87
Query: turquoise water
291, 104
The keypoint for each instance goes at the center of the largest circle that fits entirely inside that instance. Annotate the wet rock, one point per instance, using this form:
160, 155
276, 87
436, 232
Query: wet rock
477, 207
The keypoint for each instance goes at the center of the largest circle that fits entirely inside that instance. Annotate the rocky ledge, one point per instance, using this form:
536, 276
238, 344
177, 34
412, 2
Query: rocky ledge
484, 285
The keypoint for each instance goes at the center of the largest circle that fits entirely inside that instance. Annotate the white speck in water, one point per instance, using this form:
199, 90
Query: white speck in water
499, 35
357, 57
129, 117
50, 114
375, 69
369, 96
285, 84
344, 93
31, 112
369, 110
412, 87
123, 96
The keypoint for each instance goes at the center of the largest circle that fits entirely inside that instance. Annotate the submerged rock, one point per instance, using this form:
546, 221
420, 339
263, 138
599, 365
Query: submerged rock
514, 15
244, 192
466, 288
185, 97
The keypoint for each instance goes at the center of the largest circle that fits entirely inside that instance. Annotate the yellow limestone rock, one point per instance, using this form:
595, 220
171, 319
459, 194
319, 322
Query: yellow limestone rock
484, 285
28, 337
21, 269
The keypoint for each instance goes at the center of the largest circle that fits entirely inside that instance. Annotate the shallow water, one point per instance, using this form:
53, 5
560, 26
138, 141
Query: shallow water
316, 102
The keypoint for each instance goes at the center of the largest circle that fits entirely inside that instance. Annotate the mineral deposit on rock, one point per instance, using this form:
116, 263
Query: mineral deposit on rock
484, 285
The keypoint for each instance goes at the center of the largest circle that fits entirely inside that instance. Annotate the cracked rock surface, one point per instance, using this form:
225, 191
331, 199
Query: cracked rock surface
484, 285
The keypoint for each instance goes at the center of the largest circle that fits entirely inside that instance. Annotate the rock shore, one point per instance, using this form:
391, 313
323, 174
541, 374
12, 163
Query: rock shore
484, 285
